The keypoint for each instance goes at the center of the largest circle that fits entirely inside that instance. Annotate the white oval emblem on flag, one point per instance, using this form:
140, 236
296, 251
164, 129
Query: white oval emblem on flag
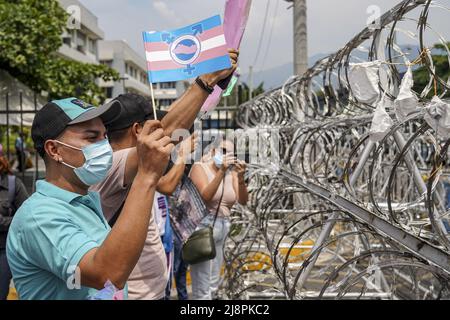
185, 49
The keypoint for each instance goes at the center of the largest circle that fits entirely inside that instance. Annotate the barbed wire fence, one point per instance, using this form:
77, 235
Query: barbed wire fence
356, 207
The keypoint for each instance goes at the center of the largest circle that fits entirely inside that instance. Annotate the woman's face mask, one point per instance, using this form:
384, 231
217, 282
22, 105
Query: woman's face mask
218, 159
98, 161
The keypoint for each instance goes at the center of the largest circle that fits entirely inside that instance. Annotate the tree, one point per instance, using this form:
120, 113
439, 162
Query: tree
30, 35
440, 61
244, 92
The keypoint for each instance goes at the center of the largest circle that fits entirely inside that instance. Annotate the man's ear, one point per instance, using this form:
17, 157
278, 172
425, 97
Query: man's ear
51, 149
136, 129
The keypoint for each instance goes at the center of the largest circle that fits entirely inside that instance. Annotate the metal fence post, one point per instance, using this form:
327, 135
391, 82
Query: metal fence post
36, 156
8, 151
22, 151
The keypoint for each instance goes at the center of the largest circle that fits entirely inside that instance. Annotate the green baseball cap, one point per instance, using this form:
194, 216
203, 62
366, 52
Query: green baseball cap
57, 115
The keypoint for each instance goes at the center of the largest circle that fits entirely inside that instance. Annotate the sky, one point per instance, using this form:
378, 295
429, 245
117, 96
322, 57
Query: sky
331, 24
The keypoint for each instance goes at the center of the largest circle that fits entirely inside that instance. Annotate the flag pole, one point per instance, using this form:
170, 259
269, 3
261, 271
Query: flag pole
151, 88
153, 99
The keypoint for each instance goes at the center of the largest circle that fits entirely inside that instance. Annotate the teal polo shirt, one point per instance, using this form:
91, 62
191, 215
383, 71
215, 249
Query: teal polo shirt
49, 235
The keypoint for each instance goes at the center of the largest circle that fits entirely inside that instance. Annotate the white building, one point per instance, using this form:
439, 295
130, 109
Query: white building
133, 71
130, 65
83, 41
167, 92
80, 39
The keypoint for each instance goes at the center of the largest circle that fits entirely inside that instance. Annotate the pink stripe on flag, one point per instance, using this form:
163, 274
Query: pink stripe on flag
170, 65
156, 46
213, 53
211, 33
162, 65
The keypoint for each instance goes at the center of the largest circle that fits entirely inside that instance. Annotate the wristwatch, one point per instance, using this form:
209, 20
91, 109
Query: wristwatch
204, 86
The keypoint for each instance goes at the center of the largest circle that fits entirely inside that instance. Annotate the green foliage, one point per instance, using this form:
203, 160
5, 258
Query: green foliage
422, 75
241, 94
245, 92
30, 35
67, 78
30, 30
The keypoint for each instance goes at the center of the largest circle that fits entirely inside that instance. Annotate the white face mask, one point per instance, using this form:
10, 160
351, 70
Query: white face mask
98, 162
218, 160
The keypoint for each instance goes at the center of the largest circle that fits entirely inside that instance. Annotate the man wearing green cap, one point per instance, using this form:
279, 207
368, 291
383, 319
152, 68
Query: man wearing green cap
59, 245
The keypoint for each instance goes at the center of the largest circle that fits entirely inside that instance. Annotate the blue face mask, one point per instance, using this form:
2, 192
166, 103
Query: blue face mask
98, 157
218, 160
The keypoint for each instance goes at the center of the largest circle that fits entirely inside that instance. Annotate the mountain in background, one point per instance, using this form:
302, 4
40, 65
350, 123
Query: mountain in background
275, 77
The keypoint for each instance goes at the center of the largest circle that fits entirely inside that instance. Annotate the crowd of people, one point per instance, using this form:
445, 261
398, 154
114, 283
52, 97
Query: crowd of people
99, 225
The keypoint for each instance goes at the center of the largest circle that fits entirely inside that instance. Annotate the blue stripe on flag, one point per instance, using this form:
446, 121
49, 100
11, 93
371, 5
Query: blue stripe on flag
204, 67
207, 24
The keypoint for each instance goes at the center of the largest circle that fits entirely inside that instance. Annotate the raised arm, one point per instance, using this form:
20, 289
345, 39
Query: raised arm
168, 183
115, 259
208, 189
240, 188
183, 112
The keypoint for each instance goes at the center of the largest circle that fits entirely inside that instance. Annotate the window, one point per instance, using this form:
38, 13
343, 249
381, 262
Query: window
165, 102
109, 92
73, 34
81, 42
168, 85
67, 37
81, 37
67, 40
107, 63
92, 46
143, 78
132, 71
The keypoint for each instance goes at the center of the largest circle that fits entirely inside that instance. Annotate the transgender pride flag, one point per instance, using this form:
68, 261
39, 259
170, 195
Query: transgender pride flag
187, 52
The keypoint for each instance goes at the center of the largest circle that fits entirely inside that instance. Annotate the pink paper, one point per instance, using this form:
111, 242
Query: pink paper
235, 21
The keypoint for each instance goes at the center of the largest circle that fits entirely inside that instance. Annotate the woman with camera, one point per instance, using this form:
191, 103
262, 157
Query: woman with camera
220, 180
